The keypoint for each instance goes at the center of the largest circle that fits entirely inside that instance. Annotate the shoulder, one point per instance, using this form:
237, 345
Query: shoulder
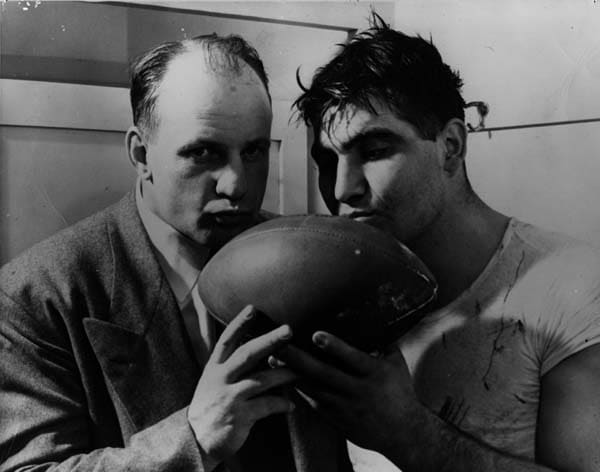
557, 293
540, 239
534, 260
557, 285
554, 255
77, 250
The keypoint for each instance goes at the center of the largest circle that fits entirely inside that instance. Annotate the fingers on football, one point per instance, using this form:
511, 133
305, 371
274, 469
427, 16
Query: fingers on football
266, 405
256, 350
265, 380
274, 362
233, 334
349, 358
312, 370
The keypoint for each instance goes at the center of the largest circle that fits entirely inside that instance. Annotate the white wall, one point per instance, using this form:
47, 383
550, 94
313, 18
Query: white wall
52, 178
340, 13
535, 61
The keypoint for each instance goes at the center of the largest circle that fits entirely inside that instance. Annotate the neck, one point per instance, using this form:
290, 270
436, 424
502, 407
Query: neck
459, 244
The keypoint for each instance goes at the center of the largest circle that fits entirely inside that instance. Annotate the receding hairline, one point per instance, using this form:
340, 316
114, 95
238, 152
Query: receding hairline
208, 67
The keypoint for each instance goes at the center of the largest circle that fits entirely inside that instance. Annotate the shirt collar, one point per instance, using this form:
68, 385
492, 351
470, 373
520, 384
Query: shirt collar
180, 258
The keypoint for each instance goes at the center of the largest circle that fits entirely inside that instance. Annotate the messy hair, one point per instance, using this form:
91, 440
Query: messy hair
223, 54
380, 64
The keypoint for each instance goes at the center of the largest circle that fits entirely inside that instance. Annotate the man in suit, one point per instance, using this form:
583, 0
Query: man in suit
504, 374
108, 359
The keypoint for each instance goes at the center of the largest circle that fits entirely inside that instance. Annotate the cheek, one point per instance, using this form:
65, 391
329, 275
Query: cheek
185, 182
386, 182
191, 190
166, 172
257, 175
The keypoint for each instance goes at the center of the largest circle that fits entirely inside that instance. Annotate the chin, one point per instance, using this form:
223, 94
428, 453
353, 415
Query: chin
380, 223
218, 236
211, 234
390, 228
202, 238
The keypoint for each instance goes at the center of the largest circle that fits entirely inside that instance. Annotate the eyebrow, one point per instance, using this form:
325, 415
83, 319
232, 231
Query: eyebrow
371, 133
186, 148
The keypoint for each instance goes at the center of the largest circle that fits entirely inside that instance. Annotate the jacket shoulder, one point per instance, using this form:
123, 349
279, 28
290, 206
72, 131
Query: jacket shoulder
81, 250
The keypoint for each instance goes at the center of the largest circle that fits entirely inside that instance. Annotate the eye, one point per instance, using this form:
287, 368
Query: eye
255, 152
374, 148
374, 153
203, 155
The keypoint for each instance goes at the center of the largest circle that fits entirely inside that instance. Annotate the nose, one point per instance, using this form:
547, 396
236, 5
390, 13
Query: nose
231, 180
350, 183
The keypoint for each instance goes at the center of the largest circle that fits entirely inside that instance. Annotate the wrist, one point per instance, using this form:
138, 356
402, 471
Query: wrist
209, 459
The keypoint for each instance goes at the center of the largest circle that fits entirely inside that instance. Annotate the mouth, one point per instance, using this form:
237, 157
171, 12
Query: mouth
233, 218
368, 217
359, 215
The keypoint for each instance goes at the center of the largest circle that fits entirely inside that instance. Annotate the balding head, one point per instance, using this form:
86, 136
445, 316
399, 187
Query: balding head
226, 56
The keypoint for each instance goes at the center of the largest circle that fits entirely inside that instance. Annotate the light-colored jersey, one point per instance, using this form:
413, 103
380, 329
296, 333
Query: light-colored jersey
478, 362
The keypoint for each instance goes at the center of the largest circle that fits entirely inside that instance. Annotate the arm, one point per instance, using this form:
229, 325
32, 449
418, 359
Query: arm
373, 402
45, 423
44, 418
568, 433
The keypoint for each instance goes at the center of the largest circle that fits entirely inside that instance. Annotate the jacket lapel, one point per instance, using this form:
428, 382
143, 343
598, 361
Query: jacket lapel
141, 344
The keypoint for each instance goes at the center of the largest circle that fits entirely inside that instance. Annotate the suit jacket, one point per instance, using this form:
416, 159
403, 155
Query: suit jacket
97, 370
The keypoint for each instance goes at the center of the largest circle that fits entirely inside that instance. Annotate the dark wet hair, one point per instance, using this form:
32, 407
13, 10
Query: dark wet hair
223, 54
380, 64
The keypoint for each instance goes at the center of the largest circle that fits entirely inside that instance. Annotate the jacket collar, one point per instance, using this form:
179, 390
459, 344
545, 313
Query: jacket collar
141, 342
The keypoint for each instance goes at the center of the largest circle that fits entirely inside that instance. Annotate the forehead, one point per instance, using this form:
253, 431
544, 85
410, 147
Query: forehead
190, 86
341, 128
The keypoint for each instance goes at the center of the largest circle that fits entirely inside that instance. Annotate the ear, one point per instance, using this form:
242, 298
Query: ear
137, 152
454, 142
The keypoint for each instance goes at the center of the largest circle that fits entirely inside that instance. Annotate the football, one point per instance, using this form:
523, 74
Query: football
320, 272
